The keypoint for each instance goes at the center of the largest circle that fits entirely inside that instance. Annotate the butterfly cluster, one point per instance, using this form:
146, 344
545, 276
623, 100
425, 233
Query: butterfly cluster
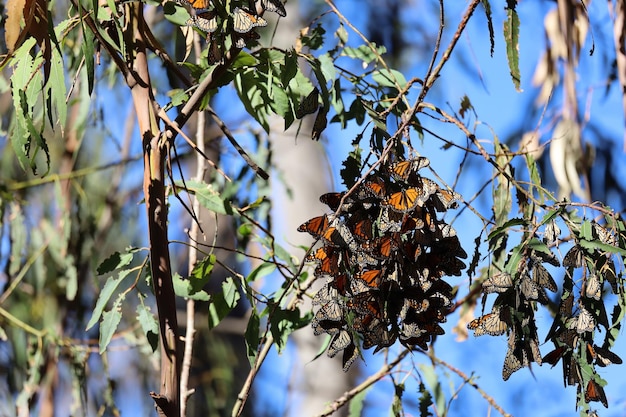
580, 311
384, 252
240, 23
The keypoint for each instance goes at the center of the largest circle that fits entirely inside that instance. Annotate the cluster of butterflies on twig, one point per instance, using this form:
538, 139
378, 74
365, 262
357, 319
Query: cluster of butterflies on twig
572, 331
216, 22
384, 252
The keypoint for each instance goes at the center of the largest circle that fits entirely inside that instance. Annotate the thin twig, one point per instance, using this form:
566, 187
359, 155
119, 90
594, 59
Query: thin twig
471, 382
382, 372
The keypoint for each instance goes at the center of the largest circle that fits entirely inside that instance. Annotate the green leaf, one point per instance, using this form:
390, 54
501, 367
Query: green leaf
511, 38
149, 325
389, 78
284, 322
115, 261
504, 228
355, 407
208, 197
182, 288
110, 320
223, 302
487, 7
57, 88
364, 53
261, 271
425, 401
201, 274
597, 245
110, 286
252, 336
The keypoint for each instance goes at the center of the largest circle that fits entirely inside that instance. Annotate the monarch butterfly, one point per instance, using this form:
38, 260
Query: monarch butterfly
309, 104
446, 200
330, 311
332, 200
412, 250
379, 336
411, 330
406, 200
573, 257
386, 246
322, 325
603, 357
315, 226
339, 342
363, 259
350, 353
375, 187
583, 322
372, 278
389, 221
326, 294
604, 235
196, 4
402, 170
542, 277
339, 234
554, 356
532, 291
497, 283
362, 228
274, 6
206, 21
365, 303
242, 39
415, 305
514, 360
593, 287
244, 21
533, 343
410, 222
341, 283
595, 392
214, 55
328, 261
320, 123
490, 324
445, 231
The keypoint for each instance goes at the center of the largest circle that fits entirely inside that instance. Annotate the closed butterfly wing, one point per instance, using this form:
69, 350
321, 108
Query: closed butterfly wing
206, 21
350, 353
542, 277
332, 200
275, 6
309, 104
497, 283
583, 322
514, 360
214, 54
244, 21
446, 200
593, 287
326, 294
339, 342
319, 125
595, 392
574, 257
